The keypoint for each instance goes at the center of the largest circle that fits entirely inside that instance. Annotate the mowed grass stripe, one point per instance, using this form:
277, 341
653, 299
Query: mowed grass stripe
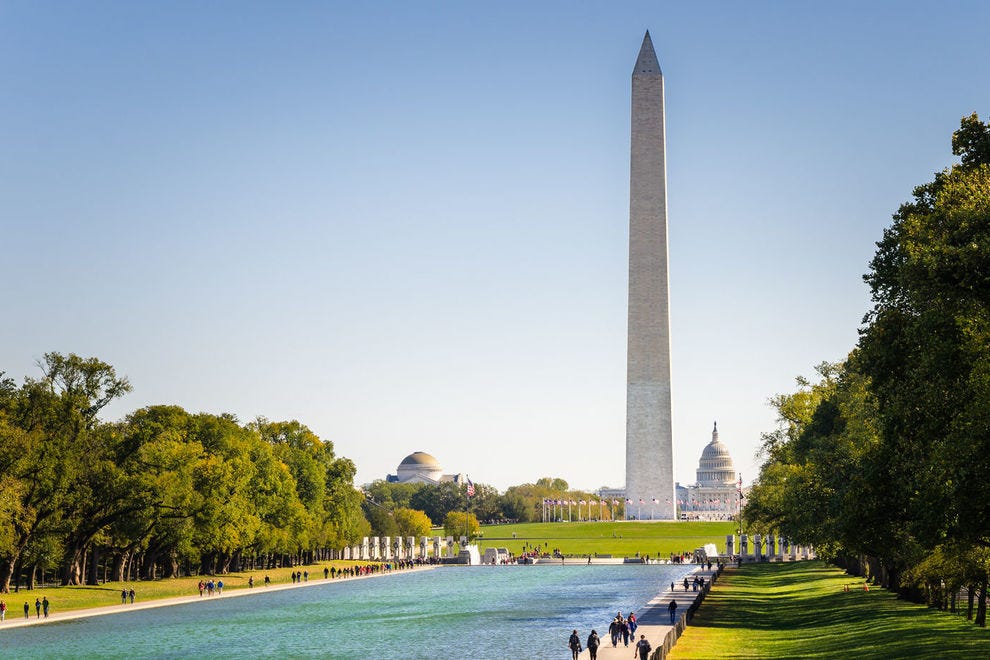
800, 610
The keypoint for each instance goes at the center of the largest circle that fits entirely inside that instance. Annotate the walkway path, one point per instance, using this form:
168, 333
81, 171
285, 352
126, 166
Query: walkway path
654, 619
15, 615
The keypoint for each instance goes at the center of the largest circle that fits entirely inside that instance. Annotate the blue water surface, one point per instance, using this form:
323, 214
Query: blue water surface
451, 612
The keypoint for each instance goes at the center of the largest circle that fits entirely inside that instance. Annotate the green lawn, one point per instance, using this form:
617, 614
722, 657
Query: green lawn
619, 539
800, 610
81, 597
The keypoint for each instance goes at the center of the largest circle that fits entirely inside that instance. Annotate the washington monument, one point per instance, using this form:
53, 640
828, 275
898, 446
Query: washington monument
649, 446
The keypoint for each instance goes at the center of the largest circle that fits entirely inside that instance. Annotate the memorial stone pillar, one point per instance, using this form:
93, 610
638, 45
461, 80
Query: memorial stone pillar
411, 543
450, 547
757, 546
365, 553
387, 546
424, 545
793, 552
730, 544
436, 547
744, 544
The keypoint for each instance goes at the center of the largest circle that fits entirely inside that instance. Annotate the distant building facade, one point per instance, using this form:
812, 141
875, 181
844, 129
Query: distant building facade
715, 495
422, 468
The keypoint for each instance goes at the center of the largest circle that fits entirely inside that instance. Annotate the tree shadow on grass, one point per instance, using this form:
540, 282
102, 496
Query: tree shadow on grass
801, 610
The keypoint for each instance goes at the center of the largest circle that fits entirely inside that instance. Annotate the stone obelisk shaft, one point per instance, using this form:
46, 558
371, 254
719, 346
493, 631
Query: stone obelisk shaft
649, 445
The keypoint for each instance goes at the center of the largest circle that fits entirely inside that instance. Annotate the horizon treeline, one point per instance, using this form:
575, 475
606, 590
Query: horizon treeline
883, 462
162, 492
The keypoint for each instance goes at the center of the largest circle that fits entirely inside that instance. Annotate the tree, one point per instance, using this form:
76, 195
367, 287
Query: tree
459, 523
411, 522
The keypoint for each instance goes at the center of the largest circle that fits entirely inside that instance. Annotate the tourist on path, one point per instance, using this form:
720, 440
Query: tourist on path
3, 610
123, 596
632, 624
202, 586
643, 648
613, 631
131, 594
624, 629
44, 606
574, 642
326, 572
673, 609
593, 643
37, 608
27, 610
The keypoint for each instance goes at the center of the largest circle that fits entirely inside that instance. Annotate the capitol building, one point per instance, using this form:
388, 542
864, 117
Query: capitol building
715, 496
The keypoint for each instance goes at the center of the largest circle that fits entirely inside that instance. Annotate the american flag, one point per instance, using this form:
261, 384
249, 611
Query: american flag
470, 489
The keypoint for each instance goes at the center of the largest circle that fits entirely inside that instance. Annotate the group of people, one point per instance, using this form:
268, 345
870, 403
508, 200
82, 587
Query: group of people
642, 649
622, 628
211, 587
124, 594
40, 605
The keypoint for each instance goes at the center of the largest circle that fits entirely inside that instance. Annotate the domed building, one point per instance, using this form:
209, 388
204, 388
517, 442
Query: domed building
715, 496
421, 468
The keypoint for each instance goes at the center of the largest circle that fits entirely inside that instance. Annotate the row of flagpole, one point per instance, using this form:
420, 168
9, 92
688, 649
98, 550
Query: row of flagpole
553, 509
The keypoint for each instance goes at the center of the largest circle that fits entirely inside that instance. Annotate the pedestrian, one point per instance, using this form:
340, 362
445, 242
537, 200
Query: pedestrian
27, 610
44, 605
671, 586
643, 648
613, 631
123, 596
673, 609
219, 587
624, 629
268, 580
685, 584
574, 642
593, 643
202, 586
632, 624
326, 572
37, 608
3, 610
131, 594
251, 581
305, 576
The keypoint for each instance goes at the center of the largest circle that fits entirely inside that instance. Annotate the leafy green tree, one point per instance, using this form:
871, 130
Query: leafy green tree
411, 522
460, 523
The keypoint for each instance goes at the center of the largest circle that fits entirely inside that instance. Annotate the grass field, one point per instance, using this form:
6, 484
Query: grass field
800, 610
64, 599
619, 539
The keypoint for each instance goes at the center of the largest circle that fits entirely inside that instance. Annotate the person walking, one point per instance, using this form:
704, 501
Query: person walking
632, 624
44, 606
672, 608
131, 594
3, 610
123, 596
643, 648
37, 608
593, 643
613, 631
624, 630
574, 642
27, 610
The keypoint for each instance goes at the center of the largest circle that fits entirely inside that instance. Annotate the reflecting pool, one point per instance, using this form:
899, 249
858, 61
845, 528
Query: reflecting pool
450, 612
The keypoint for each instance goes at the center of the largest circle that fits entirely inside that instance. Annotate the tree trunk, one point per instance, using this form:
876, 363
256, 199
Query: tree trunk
970, 598
981, 607
93, 568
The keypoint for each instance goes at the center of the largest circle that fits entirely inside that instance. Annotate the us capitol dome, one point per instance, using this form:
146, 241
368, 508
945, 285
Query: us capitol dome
715, 495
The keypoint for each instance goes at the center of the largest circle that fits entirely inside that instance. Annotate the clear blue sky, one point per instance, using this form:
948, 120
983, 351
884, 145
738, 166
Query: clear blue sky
405, 224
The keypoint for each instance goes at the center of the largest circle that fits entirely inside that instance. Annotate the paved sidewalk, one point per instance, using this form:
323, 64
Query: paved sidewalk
654, 619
